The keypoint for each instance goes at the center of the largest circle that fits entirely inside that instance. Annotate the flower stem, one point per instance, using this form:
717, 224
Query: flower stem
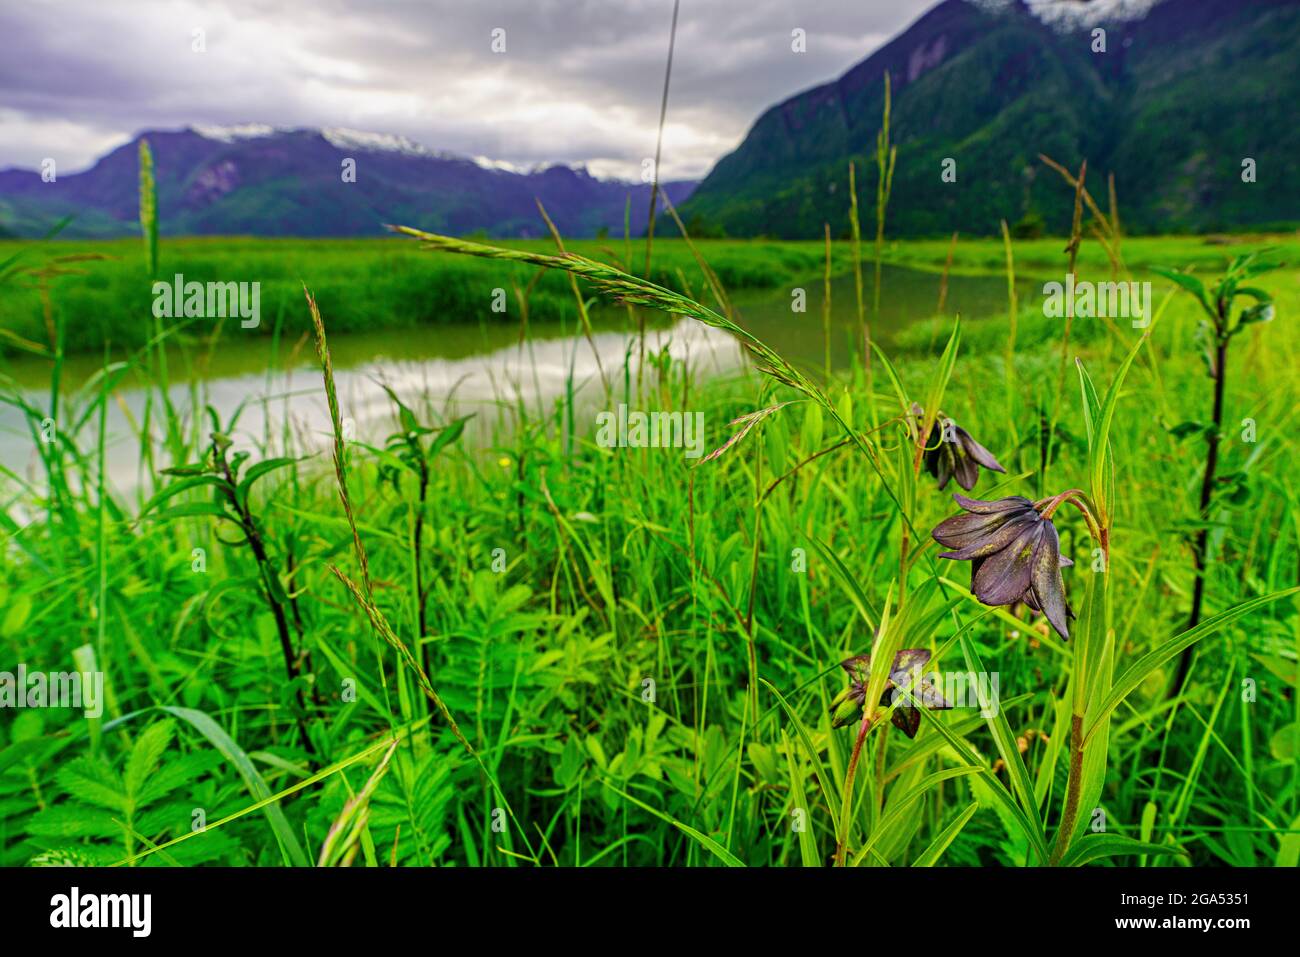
847, 800
1074, 790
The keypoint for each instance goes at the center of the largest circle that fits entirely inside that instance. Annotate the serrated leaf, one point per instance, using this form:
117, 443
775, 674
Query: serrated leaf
147, 751
93, 781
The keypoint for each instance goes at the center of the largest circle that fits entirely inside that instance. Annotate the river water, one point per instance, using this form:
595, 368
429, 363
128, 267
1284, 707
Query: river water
451, 369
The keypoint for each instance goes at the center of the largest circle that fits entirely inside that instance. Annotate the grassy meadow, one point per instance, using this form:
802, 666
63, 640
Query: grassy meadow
541, 651
377, 283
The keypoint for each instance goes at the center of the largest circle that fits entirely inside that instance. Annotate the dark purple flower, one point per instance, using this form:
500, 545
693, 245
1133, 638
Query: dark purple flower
905, 674
1015, 555
951, 452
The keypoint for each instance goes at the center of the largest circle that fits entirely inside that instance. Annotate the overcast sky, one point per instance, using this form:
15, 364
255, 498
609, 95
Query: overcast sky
579, 82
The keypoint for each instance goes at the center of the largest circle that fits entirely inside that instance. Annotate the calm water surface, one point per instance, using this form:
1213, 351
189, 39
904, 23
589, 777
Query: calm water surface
459, 368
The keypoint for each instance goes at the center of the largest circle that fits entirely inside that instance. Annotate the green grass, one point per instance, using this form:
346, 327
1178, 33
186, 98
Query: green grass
373, 283
639, 650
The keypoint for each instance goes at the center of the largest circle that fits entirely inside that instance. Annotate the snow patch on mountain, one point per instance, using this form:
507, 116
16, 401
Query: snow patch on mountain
1075, 14
240, 131
349, 139
363, 141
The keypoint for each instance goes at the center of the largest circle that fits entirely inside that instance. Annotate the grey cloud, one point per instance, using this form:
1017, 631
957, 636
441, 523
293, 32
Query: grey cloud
580, 81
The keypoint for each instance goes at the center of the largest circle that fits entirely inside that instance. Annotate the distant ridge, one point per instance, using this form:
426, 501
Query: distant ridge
1185, 91
268, 181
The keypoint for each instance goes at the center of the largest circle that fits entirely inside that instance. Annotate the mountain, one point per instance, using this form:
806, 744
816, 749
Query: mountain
274, 182
1180, 97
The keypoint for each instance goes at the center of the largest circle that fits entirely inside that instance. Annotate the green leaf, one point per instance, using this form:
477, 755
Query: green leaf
849, 583
1282, 745
1005, 739
1103, 469
1288, 847
1260, 312
1184, 430
233, 753
1094, 670
145, 755
930, 856
893, 376
1092, 847
967, 754
185, 485
262, 468
448, 435
1148, 663
405, 415
703, 840
829, 793
194, 510
900, 807
1188, 282
799, 799
942, 374
92, 781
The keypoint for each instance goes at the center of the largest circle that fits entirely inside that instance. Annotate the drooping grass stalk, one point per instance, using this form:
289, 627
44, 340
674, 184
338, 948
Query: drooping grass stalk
1076, 239
339, 454
366, 598
1106, 227
636, 291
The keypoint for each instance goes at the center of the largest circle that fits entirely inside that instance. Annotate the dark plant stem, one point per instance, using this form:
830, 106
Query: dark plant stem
249, 527
1070, 815
1200, 550
290, 567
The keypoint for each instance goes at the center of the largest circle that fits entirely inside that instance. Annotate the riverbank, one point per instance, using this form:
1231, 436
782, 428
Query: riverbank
99, 291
